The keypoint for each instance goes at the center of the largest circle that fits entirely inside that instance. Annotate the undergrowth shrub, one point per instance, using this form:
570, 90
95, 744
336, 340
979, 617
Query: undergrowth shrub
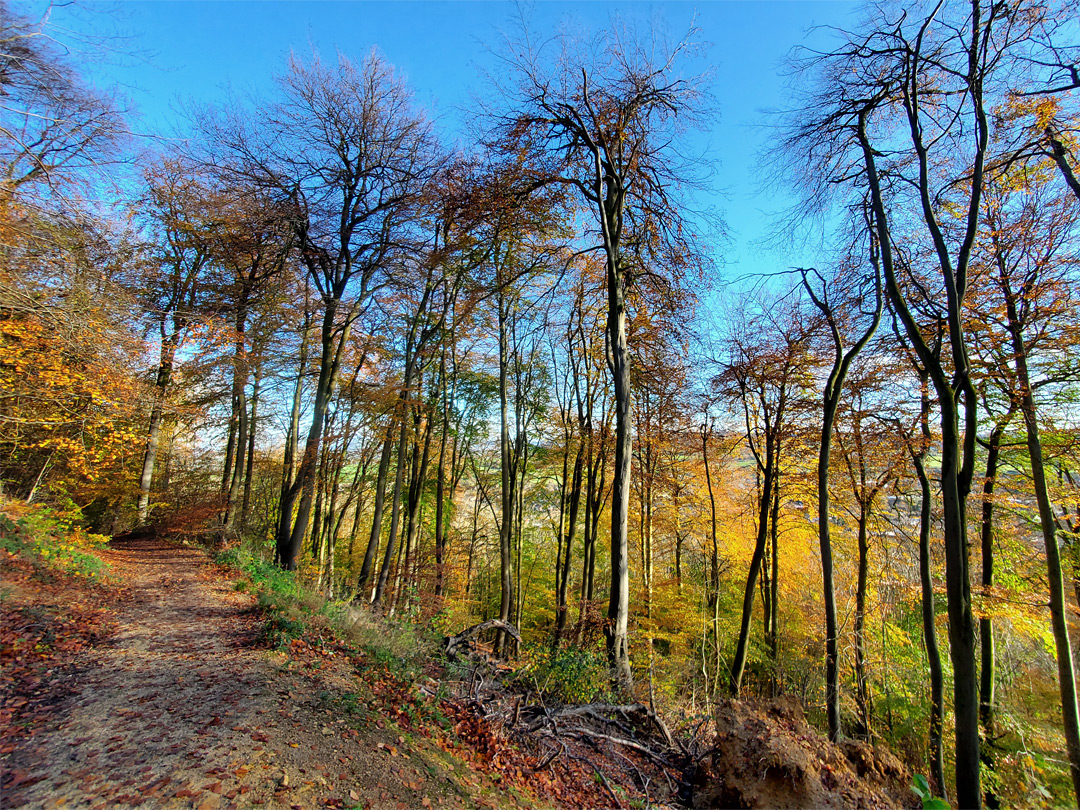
52, 539
264, 575
568, 675
295, 610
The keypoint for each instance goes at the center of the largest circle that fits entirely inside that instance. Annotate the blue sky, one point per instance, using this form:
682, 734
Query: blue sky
194, 50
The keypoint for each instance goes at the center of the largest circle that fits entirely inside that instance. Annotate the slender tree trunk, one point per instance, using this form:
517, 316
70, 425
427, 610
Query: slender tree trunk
987, 646
245, 507
713, 597
233, 478
416, 498
587, 539
286, 501
321, 481
832, 625
377, 507
1070, 715
405, 555
477, 503
926, 584
440, 478
647, 475
774, 586
169, 345
597, 512
230, 445
563, 580
522, 453
764, 579
830, 400
292, 439
395, 507
617, 627
677, 517
330, 516
508, 478
303, 488
564, 484
738, 662
862, 686
235, 493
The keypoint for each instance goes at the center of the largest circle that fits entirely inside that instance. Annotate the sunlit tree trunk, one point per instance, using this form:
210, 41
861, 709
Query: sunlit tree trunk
253, 421
1070, 714
169, 344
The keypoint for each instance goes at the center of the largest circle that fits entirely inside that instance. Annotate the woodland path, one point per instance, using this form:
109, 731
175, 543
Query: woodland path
183, 707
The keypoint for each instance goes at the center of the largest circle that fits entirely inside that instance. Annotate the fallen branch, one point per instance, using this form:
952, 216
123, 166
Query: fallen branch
670, 740
560, 748
453, 642
597, 711
586, 733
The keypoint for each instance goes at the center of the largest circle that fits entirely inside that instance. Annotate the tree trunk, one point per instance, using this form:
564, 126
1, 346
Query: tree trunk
774, 586
303, 487
830, 400
597, 512
713, 590
564, 483
862, 686
377, 507
571, 530
169, 345
292, 438
675, 508
987, 651
617, 627
957, 458
738, 662
245, 507
926, 584
235, 492
508, 478
233, 478
1070, 716
416, 495
440, 479
395, 507
588, 538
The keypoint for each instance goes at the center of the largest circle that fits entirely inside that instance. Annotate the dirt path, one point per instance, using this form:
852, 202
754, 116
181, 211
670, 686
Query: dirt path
182, 707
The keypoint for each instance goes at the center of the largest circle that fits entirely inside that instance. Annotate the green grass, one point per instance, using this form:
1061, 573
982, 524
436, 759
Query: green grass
400, 646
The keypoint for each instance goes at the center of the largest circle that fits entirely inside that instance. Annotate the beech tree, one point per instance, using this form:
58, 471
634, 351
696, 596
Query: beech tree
54, 126
851, 322
765, 377
901, 118
605, 121
178, 282
344, 148
1029, 232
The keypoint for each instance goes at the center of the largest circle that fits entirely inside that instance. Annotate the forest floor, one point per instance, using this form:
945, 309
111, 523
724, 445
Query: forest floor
163, 693
165, 684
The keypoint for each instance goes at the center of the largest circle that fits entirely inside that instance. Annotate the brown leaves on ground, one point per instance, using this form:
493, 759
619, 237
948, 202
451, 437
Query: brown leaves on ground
168, 697
47, 619
173, 700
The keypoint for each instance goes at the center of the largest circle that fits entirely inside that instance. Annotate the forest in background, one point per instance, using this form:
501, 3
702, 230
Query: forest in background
505, 379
